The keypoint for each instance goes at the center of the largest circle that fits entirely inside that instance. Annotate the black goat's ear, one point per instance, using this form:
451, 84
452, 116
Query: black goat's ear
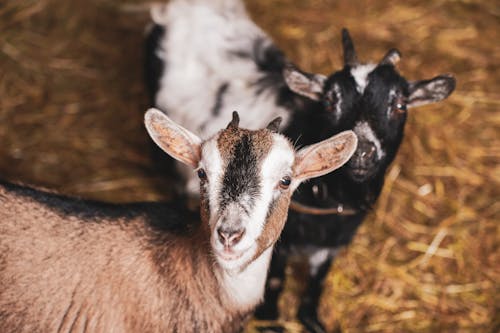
235, 121
392, 57
430, 91
305, 84
274, 125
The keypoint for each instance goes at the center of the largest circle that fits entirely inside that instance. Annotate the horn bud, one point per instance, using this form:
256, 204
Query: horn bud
274, 125
235, 121
350, 57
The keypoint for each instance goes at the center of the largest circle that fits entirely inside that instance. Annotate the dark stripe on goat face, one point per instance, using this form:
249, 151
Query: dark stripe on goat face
242, 173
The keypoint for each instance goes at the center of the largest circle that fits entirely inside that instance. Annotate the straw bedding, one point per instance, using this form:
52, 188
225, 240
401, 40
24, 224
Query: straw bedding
426, 260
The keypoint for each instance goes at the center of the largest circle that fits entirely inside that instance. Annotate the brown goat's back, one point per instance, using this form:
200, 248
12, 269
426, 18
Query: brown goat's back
70, 265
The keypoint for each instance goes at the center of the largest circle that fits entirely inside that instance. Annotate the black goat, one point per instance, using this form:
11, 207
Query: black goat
372, 100
235, 64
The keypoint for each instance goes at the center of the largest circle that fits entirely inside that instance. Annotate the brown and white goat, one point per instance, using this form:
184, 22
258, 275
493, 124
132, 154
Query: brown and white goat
68, 265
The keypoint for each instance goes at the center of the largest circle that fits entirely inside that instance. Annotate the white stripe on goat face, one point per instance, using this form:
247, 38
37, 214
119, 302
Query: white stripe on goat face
360, 75
213, 166
365, 132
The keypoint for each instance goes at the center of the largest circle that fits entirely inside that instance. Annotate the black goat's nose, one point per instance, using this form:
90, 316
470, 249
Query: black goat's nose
367, 151
230, 236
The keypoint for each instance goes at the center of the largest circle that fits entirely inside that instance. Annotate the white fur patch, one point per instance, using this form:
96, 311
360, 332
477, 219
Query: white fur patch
364, 131
213, 165
338, 105
392, 95
360, 75
318, 258
246, 288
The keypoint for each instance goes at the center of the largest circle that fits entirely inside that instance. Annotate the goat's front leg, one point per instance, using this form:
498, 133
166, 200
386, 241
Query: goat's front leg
319, 265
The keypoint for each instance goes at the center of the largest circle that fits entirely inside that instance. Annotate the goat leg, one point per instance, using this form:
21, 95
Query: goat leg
308, 308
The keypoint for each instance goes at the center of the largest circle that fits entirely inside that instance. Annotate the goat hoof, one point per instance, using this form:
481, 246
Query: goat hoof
311, 322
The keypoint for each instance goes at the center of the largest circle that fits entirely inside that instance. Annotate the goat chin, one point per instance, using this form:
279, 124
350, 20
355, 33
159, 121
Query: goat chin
236, 261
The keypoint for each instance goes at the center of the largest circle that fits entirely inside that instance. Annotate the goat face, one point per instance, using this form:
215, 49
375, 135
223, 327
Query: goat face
370, 99
240, 176
246, 180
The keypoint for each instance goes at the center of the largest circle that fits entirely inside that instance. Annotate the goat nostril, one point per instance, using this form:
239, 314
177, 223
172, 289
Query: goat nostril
368, 152
230, 237
222, 236
371, 153
236, 237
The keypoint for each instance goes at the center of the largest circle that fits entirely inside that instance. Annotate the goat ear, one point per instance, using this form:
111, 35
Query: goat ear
324, 157
430, 91
173, 139
392, 57
305, 84
158, 13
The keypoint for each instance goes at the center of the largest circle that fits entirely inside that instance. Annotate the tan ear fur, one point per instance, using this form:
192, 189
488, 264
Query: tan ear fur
305, 84
172, 138
325, 156
429, 91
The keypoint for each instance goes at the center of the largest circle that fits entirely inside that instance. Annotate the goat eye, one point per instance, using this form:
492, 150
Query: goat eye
285, 182
399, 105
328, 104
202, 174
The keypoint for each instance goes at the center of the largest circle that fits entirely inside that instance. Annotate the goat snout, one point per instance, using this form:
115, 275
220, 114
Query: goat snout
366, 154
229, 236
363, 163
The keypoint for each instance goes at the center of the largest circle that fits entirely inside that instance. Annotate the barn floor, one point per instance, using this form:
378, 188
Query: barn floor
427, 260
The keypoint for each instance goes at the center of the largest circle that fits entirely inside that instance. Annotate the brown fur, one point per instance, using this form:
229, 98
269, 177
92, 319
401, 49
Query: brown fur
274, 225
61, 274
227, 140
69, 266
261, 139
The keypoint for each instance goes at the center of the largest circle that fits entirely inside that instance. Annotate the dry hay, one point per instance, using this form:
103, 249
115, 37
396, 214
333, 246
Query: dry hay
426, 260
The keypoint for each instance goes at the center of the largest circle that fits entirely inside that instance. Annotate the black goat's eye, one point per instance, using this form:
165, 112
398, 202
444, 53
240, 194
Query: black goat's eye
285, 182
399, 105
329, 105
202, 174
